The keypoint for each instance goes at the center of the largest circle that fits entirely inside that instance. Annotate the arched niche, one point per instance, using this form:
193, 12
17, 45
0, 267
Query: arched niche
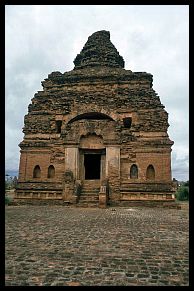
150, 173
134, 172
51, 171
37, 172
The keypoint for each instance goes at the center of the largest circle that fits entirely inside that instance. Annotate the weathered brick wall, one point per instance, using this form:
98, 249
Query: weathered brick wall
28, 162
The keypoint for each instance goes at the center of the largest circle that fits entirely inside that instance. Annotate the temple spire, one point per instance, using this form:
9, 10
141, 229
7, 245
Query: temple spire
99, 51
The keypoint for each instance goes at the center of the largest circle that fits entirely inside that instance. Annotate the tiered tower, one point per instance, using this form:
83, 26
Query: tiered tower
98, 127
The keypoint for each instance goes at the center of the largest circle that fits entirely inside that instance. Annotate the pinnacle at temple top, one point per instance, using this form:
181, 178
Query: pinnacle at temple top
99, 51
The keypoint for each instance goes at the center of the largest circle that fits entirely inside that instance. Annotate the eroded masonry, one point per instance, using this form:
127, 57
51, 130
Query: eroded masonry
96, 135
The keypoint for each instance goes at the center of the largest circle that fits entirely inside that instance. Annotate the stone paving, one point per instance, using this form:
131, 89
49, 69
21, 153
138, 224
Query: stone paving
64, 246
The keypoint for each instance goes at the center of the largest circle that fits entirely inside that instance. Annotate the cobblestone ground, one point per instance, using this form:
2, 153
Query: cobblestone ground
63, 246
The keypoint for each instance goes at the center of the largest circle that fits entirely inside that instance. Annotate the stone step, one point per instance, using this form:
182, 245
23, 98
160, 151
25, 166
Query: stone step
92, 184
89, 192
91, 187
89, 197
86, 198
88, 201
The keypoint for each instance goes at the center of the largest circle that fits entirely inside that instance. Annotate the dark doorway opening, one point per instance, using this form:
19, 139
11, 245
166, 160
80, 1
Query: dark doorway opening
92, 166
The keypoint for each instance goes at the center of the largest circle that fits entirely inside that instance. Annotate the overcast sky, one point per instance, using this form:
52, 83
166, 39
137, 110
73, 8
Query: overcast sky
40, 39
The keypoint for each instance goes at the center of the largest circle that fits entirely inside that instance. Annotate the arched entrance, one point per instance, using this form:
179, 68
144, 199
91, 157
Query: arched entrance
92, 156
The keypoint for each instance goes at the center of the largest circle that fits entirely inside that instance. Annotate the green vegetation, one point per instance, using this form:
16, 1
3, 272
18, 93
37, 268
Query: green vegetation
10, 185
182, 193
10, 182
7, 200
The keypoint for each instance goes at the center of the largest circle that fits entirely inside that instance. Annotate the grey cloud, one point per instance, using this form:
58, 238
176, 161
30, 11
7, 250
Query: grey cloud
180, 167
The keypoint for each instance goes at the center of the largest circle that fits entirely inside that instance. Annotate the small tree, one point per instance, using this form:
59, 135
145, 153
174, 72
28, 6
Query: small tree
186, 183
10, 182
6, 185
183, 193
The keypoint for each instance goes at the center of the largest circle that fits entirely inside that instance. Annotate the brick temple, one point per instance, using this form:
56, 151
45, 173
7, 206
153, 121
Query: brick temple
96, 135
